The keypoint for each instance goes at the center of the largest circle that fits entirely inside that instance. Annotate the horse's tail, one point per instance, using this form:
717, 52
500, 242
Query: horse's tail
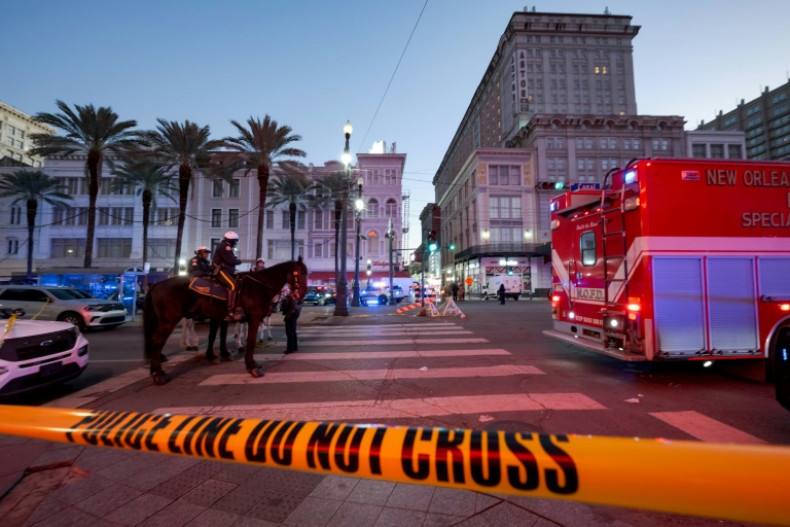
149, 322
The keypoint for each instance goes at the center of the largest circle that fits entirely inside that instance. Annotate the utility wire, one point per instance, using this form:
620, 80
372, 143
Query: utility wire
373, 119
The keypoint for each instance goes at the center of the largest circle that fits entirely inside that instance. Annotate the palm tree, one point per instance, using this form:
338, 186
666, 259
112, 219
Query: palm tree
149, 179
329, 189
32, 186
94, 132
187, 146
261, 145
290, 188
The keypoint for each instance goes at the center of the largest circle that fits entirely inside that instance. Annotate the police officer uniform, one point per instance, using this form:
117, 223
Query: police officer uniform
225, 262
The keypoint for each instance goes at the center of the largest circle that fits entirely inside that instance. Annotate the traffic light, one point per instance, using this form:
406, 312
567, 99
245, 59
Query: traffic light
510, 272
451, 246
550, 185
433, 245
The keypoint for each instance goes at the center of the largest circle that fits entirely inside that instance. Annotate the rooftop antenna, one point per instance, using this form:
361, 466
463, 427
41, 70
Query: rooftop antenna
606, 11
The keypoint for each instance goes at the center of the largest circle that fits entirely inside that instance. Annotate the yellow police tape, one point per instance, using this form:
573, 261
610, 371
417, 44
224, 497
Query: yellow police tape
736, 482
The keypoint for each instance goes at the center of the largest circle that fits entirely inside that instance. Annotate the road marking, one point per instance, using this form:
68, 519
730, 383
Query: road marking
705, 428
339, 355
398, 331
373, 409
389, 342
371, 375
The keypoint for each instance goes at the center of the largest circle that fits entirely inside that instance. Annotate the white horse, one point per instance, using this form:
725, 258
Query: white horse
264, 329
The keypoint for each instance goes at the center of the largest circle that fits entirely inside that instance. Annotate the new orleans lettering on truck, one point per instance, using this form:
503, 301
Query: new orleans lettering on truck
678, 260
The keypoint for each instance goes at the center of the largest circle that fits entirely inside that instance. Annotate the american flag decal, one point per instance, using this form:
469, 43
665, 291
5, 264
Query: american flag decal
689, 175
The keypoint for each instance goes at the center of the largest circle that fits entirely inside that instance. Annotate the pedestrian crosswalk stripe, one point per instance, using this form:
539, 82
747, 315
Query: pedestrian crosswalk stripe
373, 409
705, 428
390, 342
332, 355
275, 377
388, 332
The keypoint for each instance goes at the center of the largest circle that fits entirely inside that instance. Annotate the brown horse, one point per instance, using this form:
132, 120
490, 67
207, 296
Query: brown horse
168, 301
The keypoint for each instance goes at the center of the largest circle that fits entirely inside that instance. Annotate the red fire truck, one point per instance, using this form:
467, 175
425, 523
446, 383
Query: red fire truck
677, 259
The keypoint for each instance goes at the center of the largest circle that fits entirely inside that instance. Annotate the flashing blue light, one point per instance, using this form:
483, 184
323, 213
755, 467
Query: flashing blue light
629, 177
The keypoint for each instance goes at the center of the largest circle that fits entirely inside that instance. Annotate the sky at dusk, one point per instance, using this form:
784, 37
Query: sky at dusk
312, 65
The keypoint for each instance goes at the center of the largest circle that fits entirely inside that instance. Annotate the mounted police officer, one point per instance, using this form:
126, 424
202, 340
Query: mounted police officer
200, 265
225, 262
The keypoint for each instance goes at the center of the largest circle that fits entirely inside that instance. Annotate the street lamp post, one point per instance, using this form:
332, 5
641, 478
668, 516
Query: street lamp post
341, 304
358, 206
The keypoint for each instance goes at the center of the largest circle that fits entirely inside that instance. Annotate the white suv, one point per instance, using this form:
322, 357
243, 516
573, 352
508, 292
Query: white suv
35, 354
63, 304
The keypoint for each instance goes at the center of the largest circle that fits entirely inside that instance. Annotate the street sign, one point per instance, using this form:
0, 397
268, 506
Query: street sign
468, 280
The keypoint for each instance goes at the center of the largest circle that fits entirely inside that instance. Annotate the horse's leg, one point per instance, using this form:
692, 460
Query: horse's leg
241, 336
253, 321
157, 341
213, 325
223, 337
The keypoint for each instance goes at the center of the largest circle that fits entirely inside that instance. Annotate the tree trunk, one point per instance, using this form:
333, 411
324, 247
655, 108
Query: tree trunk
184, 177
146, 218
292, 217
32, 207
94, 177
263, 186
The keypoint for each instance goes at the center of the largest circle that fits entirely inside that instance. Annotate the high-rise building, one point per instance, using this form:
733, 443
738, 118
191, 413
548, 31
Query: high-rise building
765, 121
556, 106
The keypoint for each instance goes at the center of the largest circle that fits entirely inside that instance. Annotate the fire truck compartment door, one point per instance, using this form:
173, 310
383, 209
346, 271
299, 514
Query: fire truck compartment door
698, 312
732, 304
679, 305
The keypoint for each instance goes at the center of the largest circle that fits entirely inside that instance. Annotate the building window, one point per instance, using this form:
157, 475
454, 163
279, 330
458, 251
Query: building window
166, 217
286, 219
504, 175
216, 189
234, 189
587, 248
67, 247
717, 151
163, 248
233, 218
373, 208
734, 152
113, 247
698, 150
505, 207
216, 218
391, 208
318, 219
269, 219
16, 215
300, 219
13, 246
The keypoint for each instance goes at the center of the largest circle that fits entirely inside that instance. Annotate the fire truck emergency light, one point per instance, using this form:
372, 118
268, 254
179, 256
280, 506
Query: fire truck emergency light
629, 177
784, 307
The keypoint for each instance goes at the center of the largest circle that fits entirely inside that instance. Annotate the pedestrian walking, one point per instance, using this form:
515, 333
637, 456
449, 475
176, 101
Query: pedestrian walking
501, 294
291, 308
454, 289
461, 292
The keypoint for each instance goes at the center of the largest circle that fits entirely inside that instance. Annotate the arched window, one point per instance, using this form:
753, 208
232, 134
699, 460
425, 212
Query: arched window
373, 208
373, 242
391, 208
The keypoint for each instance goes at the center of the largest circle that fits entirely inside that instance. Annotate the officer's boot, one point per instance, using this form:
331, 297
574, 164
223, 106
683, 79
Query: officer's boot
232, 306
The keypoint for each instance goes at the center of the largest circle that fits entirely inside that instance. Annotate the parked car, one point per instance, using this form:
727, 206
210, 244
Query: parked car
34, 353
381, 295
63, 304
319, 295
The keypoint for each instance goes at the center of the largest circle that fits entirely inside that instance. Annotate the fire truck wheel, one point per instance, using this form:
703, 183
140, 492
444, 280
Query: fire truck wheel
781, 367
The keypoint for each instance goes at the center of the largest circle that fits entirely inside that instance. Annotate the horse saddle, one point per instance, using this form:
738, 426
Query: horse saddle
206, 287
